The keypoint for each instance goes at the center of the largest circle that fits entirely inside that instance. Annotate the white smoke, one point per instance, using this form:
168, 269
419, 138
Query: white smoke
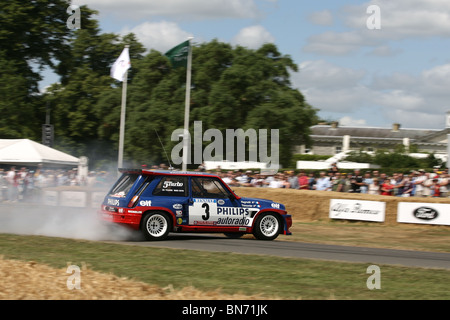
65, 222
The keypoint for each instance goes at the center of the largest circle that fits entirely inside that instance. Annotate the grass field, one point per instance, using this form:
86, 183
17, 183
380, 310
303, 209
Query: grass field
221, 275
268, 277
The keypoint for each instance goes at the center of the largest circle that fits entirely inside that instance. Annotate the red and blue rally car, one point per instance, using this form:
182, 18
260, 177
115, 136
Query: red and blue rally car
160, 202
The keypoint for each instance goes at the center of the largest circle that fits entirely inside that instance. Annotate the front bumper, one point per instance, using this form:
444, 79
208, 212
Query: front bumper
287, 224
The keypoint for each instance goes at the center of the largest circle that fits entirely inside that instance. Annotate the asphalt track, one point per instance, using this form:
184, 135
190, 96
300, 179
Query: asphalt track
280, 248
30, 218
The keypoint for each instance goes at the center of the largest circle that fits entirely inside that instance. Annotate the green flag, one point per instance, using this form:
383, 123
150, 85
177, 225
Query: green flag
178, 55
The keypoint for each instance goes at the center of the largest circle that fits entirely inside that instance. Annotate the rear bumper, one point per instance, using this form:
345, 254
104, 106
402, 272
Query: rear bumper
131, 220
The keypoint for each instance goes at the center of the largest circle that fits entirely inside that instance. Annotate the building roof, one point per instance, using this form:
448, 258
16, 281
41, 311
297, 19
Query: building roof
393, 135
372, 132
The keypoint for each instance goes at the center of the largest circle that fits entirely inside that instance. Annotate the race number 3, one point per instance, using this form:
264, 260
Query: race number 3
206, 207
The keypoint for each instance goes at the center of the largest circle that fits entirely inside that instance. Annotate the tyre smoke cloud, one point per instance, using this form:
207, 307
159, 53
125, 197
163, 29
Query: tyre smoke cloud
65, 222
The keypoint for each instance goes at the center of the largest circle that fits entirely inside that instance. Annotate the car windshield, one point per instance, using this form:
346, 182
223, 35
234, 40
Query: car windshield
123, 185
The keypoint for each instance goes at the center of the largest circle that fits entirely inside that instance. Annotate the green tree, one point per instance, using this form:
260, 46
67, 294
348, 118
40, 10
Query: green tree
33, 35
232, 88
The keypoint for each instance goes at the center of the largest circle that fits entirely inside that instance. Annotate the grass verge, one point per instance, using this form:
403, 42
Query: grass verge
284, 278
367, 234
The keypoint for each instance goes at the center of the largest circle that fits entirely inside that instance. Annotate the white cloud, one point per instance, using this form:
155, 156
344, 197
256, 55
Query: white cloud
182, 9
384, 51
160, 36
405, 18
323, 18
322, 74
400, 19
418, 101
331, 88
349, 121
253, 37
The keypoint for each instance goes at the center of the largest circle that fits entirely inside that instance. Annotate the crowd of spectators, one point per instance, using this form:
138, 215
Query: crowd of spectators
24, 184
417, 183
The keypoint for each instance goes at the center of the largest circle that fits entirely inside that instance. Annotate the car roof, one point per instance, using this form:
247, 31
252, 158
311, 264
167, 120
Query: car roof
165, 172
151, 172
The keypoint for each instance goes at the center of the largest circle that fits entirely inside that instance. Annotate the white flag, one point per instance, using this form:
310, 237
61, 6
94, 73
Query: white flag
122, 64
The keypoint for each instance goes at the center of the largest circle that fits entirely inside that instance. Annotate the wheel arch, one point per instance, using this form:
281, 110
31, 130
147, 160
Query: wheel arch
159, 210
278, 214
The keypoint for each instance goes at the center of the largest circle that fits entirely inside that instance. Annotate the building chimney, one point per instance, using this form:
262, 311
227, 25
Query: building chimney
334, 124
396, 127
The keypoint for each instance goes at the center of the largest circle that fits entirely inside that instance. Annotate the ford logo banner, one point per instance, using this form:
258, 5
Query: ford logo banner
425, 213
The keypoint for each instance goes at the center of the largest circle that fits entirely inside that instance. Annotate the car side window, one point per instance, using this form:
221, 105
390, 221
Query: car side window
172, 186
205, 187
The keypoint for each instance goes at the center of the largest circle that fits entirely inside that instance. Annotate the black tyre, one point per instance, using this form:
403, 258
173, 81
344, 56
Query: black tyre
156, 226
267, 226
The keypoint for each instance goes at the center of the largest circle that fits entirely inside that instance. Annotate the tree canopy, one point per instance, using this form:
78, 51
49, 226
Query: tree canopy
232, 87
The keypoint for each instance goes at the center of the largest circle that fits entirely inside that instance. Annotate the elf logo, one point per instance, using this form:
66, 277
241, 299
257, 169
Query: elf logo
145, 203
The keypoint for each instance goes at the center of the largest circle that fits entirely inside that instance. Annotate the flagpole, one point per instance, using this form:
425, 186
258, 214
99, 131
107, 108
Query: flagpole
186, 140
122, 118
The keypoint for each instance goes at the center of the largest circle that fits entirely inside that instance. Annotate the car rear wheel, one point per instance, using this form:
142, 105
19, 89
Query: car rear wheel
267, 226
156, 226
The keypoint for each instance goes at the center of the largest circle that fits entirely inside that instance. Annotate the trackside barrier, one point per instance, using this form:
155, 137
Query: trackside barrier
303, 205
310, 205
74, 199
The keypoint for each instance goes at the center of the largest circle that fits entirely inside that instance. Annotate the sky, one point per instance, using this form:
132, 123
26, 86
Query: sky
362, 63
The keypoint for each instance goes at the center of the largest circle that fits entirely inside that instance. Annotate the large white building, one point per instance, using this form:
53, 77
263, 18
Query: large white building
333, 139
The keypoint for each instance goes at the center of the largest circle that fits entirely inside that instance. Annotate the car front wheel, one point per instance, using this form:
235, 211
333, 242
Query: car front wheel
156, 226
267, 226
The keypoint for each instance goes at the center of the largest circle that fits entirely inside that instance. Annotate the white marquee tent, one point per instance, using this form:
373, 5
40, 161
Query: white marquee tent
25, 152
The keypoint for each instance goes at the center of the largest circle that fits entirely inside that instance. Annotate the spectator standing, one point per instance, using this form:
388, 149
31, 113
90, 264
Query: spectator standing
302, 181
374, 187
275, 182
407, 187
382, 177
323, 183
293, 180
311, 181
3, 186
336, 182
419, 183
11, 179
387, 188
345, 183
334, 168
435, 188
356, 182
444, 184
367, 180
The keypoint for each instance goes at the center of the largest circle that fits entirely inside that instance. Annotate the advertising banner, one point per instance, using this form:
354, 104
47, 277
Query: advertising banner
72, 199
423, 213
357, 210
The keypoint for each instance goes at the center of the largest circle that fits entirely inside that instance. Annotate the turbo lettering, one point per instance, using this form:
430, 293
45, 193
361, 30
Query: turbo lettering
172, 184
